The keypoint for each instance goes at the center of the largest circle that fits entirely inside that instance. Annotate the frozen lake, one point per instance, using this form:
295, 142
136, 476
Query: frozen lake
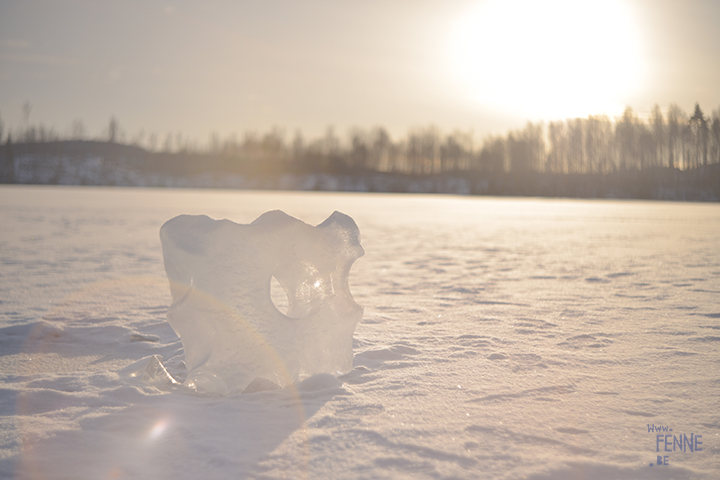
501, 339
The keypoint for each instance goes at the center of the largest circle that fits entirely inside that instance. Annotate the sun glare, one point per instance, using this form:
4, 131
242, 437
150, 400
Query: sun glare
549, 59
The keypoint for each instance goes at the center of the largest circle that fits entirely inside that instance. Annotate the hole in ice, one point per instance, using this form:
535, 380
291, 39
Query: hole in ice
304, 288
278, 295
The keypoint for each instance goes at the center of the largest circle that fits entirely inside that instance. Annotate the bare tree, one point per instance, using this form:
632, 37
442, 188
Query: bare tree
152, 141
7, 162
423, 150
330, 148
413, 153
604, 141
139, 138
627, 139
297, 148
359, 157
526, 148
700, 134
77, 130
214, 143
675, 123
557, 155
167, 145
381, 150
576, 153
273, 144
455, 152
451, 152
113, 130
597, 140
492, 156
686, 145
430, 149
715, 137
179, 146
658, 135
645, 146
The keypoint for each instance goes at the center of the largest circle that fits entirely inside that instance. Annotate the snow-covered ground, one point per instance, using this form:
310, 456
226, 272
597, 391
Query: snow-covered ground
502, 338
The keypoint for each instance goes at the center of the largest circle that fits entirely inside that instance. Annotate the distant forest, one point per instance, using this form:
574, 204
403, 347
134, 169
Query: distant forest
672, 156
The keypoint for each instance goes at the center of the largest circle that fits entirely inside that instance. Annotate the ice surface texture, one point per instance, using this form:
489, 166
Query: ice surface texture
232, 333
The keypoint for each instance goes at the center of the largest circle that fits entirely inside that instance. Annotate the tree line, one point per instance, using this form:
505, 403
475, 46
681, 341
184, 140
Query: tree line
592, 145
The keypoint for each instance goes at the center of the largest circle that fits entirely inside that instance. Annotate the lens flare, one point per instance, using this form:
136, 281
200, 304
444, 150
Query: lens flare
158, 429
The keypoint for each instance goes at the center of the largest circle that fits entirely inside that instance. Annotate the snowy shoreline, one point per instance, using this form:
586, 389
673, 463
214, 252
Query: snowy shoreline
105, 164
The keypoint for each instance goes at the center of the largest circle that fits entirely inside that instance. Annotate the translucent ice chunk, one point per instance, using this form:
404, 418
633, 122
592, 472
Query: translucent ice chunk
232, 333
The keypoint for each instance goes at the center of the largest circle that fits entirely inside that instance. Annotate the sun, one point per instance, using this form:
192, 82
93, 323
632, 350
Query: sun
548, 59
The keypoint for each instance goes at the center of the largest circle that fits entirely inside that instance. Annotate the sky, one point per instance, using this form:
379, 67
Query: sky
223, 67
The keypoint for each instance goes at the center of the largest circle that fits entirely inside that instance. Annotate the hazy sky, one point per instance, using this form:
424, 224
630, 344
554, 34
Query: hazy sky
231, 66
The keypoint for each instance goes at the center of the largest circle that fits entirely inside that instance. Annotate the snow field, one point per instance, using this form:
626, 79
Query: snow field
502, 338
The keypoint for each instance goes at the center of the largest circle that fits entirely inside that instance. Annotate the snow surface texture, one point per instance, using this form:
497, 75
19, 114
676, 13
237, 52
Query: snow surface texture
232, 333
501, 339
